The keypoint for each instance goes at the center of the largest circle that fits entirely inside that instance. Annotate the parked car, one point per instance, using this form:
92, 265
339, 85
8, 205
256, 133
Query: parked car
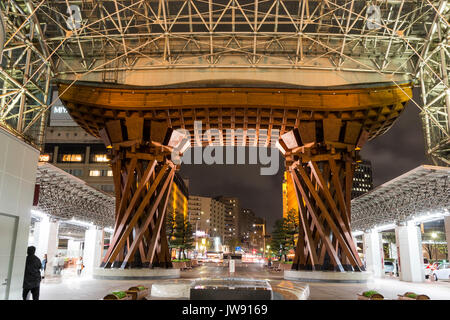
389, 267
429, 268
442, 272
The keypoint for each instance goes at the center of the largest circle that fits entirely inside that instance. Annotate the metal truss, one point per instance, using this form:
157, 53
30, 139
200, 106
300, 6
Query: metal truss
25, 72
107, 41
64, 196
423, 190
71, 231
432, 71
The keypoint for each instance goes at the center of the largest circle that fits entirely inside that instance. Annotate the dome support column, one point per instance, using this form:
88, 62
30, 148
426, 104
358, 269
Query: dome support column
321, 158
143, 176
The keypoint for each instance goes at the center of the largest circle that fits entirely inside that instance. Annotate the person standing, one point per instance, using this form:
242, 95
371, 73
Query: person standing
32, 276
79, 265
60, 263
44, 265
55, 264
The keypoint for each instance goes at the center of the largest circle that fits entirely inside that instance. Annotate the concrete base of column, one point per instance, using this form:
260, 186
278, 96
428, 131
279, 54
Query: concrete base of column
447, 233
409, 242
92, 250
18, 167
373, 253
328, 276
135, 274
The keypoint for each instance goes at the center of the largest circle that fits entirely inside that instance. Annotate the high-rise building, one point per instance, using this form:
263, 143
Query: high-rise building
80, 154
178, 198
207, 216
257, 237
362, 179
70, 148
231, 219
288, 192
246, 221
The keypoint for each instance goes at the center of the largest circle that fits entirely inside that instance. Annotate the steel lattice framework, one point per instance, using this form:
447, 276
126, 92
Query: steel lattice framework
122, 41
423, 190
64, 196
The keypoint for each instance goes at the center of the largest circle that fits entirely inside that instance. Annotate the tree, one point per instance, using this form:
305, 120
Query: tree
390, 238
232, 243
281, 241
170, 229
434, 247
291, 225
182, 235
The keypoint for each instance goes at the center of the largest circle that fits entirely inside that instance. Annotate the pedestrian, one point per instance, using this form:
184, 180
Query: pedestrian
80, 265
60, 263
55, 264
32, 276
44, 265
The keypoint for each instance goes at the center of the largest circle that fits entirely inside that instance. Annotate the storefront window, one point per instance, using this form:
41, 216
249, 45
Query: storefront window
100, 173
72, 158
44, 158
100, 158
94, 173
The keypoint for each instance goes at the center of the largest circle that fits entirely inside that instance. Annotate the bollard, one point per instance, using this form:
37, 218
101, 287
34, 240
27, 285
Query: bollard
231, 264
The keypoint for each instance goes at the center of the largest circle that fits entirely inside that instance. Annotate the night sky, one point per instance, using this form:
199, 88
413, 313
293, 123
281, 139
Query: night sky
392, 154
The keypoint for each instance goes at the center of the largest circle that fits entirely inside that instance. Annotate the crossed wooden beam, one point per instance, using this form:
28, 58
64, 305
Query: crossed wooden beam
321, 158
143, 176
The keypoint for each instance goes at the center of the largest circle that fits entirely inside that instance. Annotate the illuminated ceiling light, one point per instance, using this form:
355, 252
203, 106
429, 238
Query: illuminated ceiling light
38, 213
386, 227
80, 223
357, 233
429, 217
108, 229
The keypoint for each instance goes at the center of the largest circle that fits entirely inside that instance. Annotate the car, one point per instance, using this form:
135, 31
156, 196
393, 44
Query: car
442, 272
389, 267
429, 268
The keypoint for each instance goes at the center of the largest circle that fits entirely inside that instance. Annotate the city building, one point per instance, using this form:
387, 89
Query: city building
288, 193
362, 179
258, 236
207, 217
178, 198
231, 219
246, 221
80, 154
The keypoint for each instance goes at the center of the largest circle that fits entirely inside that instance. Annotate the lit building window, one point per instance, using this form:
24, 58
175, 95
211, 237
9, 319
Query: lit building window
72, 158
110, 173
100, 158
94, 173
44, 158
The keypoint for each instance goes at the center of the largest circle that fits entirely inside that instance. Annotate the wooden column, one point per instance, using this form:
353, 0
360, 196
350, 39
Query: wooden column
321, 158
143, 178
332, 248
